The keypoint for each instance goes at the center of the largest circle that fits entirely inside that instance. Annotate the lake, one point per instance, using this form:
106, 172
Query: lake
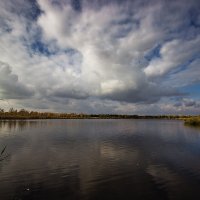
99, 159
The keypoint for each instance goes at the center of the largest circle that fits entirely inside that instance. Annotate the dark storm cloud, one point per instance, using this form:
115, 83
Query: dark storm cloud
69, 93
147, 95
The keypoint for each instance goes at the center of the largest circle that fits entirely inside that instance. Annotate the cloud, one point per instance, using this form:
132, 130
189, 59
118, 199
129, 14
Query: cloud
10, 86
132, 53
110, 60
186, 77
185, 102
173, 54
69, 93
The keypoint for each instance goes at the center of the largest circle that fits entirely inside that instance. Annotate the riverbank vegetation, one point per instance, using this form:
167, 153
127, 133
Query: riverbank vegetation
193, 121
25, 114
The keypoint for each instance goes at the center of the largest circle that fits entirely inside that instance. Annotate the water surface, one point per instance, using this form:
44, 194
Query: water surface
99, 159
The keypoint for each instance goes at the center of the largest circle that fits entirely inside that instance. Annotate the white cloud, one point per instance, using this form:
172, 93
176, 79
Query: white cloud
173, 54
109, 64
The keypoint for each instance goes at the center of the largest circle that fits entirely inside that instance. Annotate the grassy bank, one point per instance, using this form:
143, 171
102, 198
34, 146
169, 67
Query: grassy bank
193, 121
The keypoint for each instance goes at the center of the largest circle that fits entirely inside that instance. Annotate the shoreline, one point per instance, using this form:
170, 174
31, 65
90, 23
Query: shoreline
14, 114
186, 118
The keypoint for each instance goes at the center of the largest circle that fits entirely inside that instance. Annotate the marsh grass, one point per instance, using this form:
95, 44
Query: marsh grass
193, 121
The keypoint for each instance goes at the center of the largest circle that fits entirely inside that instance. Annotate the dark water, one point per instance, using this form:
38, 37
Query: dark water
99, 159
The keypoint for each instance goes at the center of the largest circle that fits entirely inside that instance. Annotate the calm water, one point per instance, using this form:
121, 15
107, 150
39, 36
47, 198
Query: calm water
99, 159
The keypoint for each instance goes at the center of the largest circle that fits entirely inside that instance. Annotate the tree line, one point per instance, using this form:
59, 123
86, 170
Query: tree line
26, 114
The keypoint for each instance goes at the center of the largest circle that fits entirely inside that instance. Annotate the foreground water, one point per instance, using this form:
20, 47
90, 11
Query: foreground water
99, 159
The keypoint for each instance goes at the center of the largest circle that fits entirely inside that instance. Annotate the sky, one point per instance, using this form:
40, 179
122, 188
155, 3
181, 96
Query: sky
97, 56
